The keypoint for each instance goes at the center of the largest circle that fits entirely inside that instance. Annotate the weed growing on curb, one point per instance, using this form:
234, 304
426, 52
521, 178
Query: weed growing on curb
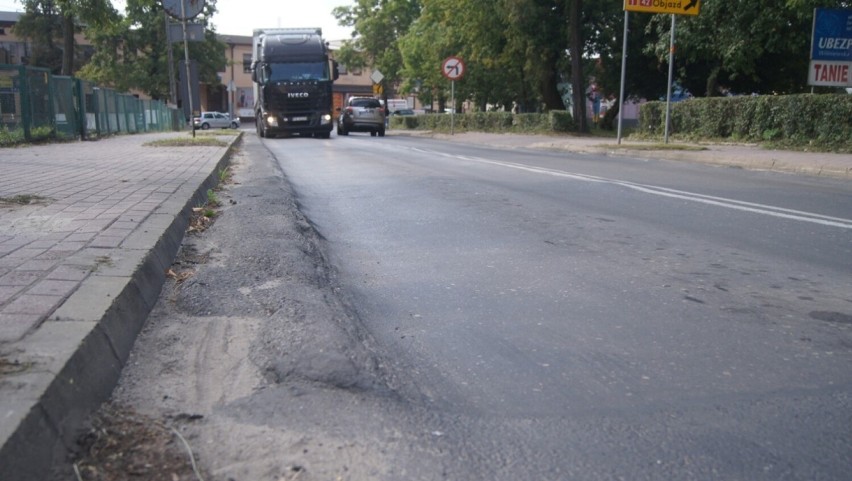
212, 198
188, 142
224, 175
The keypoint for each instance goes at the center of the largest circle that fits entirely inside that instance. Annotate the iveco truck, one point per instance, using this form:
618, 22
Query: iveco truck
292, 76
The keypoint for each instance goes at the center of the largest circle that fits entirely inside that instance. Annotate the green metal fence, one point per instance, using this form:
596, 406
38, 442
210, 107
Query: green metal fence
35, 105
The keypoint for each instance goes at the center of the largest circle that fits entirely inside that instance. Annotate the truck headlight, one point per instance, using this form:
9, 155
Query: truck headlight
272, 121
326, 119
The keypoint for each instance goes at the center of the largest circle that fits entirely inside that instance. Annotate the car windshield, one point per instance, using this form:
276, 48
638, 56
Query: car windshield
367, 103
290, 72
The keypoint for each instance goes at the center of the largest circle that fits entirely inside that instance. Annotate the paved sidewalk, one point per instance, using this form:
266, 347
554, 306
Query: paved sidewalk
746, 156
81, 266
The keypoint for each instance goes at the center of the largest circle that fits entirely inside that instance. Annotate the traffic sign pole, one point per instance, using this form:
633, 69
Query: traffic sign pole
186, 57
692, 7
671, 72
453, 111
453, 69
623, 76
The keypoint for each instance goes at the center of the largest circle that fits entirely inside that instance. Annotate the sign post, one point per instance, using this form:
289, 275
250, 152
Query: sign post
377, 78
673, 7
831, 48
453, 68
184, 12
669, 84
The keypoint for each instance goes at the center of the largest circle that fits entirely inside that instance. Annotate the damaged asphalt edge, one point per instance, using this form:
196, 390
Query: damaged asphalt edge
81, 348
360, 365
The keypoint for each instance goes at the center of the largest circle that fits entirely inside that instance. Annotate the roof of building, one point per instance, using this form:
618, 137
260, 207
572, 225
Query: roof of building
235, 39
10, 17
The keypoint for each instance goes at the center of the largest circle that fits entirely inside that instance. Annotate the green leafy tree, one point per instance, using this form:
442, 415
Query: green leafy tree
421, 50
742, 46
41, 25
133, 54
646, 72
469, 29
51, 23
377, 26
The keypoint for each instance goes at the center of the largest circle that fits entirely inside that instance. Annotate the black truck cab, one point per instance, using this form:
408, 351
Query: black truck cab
293, 78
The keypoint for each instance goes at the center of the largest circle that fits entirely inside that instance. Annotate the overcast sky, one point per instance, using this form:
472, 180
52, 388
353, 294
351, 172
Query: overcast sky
240, 17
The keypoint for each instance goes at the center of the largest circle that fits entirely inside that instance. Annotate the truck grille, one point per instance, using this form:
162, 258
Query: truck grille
295, 99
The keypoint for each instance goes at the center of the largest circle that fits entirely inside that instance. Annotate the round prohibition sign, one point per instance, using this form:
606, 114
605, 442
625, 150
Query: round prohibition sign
453, 68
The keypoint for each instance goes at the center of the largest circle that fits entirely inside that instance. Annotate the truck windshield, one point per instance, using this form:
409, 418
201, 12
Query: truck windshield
289, 72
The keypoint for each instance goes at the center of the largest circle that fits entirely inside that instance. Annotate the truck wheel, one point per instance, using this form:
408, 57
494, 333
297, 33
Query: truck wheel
373, 133
324, 135
381, 132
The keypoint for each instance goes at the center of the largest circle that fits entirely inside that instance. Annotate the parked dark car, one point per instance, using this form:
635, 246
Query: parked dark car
403, 112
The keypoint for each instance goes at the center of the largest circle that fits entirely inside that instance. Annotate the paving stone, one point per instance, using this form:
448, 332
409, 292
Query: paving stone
19, 278
30, 304
69, 273
52, 287
14, 326
8, 292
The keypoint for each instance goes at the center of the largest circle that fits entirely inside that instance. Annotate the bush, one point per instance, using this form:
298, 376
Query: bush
554, 121
796, 120
561, 121
11, 137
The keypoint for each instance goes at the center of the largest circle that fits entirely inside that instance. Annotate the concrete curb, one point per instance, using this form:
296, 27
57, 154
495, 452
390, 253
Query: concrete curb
83, 346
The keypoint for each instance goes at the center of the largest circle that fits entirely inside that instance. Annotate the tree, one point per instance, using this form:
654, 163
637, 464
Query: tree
742, 46
46, 21
577, 80
377, 26
470, 29
40, 24
537, 38
132, 53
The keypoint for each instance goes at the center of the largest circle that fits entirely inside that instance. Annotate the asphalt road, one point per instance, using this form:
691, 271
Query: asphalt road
560, 315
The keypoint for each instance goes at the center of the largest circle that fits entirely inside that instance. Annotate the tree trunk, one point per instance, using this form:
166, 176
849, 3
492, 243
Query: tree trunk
712, 88
549, 91
576, 50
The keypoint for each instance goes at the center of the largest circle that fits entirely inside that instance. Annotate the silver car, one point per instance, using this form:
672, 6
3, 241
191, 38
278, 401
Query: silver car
215, 120
362, 114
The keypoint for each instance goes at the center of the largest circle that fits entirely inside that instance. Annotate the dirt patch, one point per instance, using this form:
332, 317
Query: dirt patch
24, 199
12, 366
123, 444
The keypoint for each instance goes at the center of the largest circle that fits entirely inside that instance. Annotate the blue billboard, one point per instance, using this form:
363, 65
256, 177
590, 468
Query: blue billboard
832, 36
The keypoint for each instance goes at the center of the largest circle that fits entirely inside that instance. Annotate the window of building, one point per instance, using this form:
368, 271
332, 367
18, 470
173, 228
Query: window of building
246, 63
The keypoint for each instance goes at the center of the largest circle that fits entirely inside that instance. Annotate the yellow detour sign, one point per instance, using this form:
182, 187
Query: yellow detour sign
676, 7
377, 89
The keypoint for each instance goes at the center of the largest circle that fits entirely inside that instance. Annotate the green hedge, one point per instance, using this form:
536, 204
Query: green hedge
554, 121
804, 119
